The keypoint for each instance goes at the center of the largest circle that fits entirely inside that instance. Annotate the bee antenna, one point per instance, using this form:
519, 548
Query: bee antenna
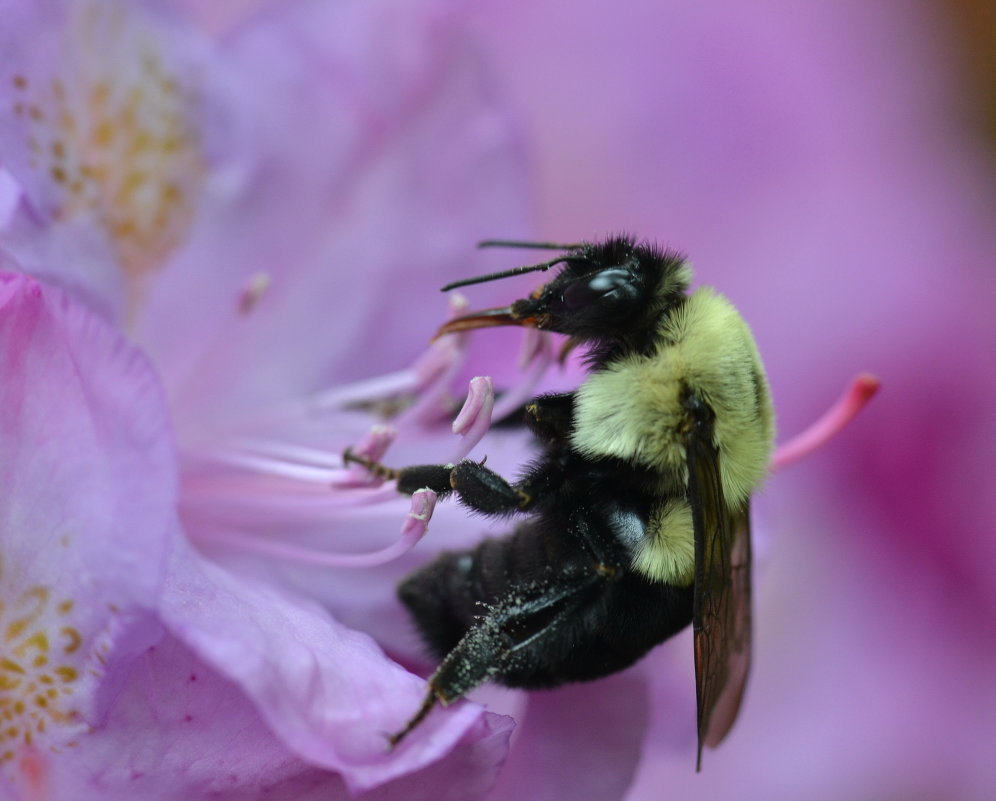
531, 268
514, 243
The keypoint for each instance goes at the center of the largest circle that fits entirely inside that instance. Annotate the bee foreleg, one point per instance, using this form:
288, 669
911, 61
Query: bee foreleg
432, 476
374, 467
485, 491
551, 417
410, 479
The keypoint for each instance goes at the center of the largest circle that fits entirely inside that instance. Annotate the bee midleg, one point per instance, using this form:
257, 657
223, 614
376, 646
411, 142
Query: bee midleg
573, 627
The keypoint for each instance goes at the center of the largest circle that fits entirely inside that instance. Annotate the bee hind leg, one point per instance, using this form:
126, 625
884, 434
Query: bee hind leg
418, 717
505, 638
410, 479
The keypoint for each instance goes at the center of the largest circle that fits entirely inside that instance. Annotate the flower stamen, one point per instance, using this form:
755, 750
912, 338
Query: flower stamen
854, 399
419, 393
371, 448
439, 366
413, 528
537, 351
474, 419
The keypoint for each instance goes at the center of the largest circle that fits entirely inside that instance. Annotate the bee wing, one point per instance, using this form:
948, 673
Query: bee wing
722, 606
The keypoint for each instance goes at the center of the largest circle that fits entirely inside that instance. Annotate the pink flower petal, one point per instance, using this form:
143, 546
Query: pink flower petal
178, 729
467, 773
328, 692
107, 128
10, 196
88, 489
388, 130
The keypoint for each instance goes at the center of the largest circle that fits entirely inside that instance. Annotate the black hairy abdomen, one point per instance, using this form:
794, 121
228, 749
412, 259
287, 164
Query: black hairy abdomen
608, 626
447, 596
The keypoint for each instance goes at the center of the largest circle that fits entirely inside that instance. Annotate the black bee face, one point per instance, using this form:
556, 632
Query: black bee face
606, 291
586, 300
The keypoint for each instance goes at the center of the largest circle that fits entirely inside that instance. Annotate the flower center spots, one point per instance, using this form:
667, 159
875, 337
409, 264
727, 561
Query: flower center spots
38, 646
113, 138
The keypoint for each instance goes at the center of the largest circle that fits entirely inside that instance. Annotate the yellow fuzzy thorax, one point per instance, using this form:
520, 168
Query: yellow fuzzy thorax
632, 410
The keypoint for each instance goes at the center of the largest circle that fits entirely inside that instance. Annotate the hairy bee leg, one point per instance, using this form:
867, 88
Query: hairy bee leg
491, 646
485, 491
418, 717
551, 417
410, 479
481, 489
376, 468
513, 623
434, 476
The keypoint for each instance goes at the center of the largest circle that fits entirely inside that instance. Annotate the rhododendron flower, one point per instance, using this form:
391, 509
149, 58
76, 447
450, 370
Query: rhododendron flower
129, 659
150, 195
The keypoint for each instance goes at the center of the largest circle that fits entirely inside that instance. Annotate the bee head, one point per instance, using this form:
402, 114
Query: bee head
609, 291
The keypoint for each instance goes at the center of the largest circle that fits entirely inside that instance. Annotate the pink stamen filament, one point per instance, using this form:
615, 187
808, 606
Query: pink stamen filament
275, 467
428, 376
860, 391
291, 462
424, 372
289, 451
474, 418
434, 400
412, 530
255, 481
245, 500
384, 386
537, 350
437, 368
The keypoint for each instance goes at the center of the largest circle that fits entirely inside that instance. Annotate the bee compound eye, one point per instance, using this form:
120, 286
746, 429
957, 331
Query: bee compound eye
614, 283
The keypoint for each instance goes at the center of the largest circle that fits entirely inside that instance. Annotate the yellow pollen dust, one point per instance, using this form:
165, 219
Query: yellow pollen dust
37, 683
115, 137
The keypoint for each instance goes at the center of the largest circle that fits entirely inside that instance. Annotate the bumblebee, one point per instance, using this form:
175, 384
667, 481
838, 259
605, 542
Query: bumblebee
634, 515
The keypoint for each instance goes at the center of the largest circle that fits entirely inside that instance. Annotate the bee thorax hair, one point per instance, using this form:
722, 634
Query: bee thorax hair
632, 408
